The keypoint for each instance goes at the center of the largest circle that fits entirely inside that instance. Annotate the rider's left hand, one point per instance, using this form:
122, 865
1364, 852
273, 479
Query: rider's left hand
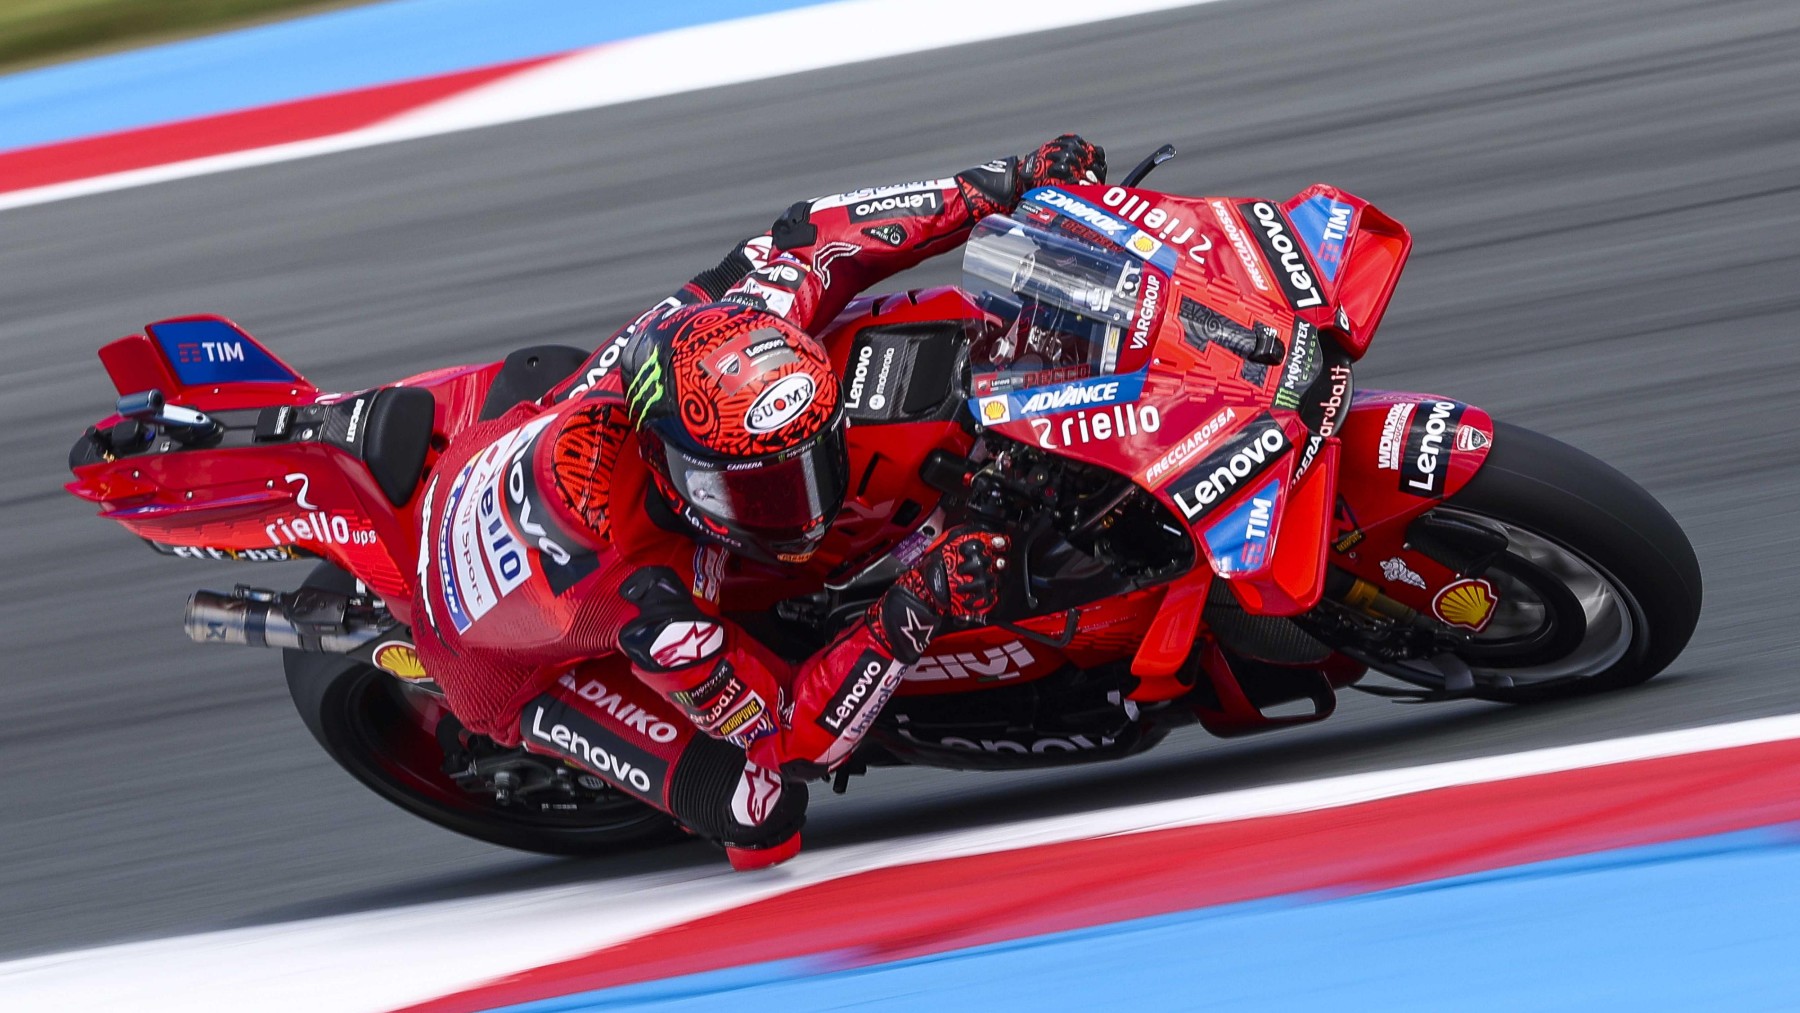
1068, 159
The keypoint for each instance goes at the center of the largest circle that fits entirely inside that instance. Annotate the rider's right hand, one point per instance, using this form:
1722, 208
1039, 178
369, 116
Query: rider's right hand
972, 560
960, 575
956, 581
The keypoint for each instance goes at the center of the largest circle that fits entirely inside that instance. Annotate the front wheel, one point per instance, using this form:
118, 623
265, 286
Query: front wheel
1598, 587
386, 735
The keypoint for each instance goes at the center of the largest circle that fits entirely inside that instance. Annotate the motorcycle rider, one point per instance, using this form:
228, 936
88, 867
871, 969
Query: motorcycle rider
571, 549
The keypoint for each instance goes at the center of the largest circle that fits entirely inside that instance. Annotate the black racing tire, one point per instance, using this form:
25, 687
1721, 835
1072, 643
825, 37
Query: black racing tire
1546, 488
362, 718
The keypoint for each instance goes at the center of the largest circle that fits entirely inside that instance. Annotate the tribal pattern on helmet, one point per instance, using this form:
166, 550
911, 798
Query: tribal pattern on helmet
742, 381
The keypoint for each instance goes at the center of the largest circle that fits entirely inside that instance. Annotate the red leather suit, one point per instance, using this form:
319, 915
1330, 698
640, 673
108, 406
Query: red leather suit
535, 522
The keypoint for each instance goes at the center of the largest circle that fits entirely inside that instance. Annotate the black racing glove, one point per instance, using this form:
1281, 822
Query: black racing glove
1067, 159
956, 581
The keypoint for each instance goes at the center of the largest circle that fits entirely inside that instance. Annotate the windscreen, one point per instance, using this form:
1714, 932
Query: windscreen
1058, 307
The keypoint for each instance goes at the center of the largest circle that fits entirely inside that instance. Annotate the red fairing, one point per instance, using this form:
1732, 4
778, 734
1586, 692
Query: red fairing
1359, 253
1406, 453
554, 609
271, 501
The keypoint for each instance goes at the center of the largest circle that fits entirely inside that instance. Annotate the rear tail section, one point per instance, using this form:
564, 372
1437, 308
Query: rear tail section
219, 450
195, 360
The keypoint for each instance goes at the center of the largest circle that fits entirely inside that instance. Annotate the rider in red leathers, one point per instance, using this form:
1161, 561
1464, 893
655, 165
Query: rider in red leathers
570, 550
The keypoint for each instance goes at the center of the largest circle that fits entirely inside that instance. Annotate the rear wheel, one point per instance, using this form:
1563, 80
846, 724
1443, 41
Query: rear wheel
386, 735
1598, 587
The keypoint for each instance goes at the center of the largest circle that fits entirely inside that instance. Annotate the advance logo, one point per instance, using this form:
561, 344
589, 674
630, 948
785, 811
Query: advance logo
1249, 453
1062, 397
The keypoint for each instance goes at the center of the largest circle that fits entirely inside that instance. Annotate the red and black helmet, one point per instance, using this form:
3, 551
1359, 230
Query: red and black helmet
739, 418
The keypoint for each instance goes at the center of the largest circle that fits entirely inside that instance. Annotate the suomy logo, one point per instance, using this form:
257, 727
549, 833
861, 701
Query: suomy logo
781, 404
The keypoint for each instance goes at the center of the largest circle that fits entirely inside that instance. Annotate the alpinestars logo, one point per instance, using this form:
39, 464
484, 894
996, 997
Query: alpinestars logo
758, 791
823, 256
1251, 451
681, 644
1276, 238
917, 629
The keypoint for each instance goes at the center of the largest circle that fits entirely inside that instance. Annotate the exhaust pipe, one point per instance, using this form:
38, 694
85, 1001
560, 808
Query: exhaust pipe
310, 619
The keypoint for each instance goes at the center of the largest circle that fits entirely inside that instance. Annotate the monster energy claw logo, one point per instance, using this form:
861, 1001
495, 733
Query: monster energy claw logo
646, 387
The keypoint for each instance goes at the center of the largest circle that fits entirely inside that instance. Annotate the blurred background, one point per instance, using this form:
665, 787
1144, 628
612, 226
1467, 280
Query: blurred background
1602, 195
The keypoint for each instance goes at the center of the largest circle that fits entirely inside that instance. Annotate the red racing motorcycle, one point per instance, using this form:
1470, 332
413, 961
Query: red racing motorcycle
1153, 394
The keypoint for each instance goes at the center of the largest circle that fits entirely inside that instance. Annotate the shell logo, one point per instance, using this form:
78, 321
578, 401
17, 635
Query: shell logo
1465, 603
995, 410
399, 659
1144, 246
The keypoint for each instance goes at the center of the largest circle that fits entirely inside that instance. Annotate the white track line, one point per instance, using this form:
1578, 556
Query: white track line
378, 960
667, 63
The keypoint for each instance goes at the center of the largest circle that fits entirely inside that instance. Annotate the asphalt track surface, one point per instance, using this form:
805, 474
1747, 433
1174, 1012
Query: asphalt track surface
1608, 238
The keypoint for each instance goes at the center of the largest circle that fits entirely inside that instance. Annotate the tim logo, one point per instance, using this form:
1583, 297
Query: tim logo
209, 351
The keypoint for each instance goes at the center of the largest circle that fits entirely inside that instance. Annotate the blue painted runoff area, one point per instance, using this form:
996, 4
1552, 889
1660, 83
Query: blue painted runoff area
358, 47
1709, 923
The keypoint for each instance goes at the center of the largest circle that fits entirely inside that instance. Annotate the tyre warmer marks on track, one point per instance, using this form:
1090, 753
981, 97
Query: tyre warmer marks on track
887, 917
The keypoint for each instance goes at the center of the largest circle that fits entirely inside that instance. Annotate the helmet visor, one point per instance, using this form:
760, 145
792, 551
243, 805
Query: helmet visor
790, 495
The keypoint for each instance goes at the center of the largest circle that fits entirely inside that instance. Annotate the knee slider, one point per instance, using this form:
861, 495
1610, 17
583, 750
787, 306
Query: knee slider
714, 794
